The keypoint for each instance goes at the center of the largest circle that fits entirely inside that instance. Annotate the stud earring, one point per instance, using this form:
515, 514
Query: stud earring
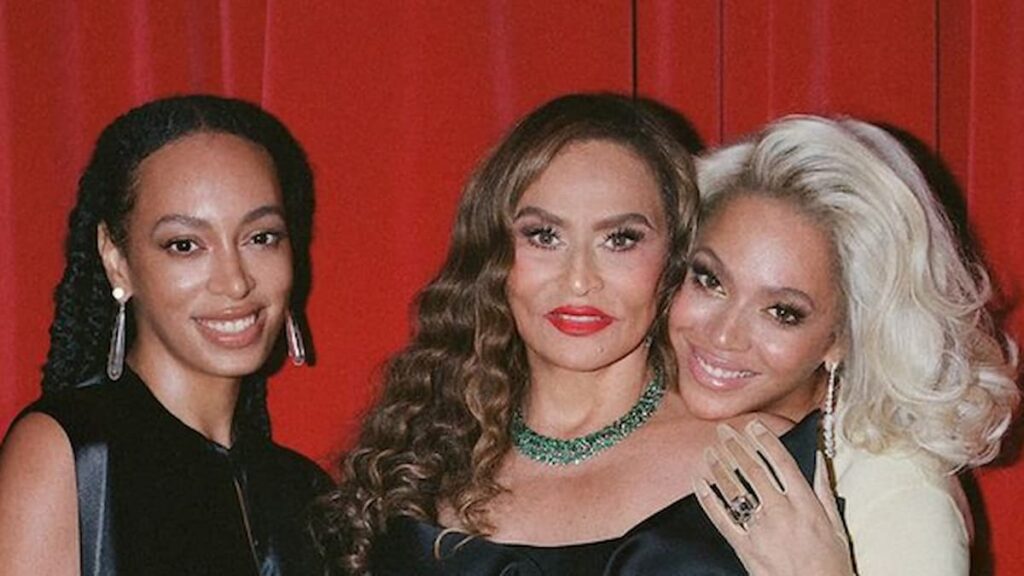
829, 420
296, 347
115, 356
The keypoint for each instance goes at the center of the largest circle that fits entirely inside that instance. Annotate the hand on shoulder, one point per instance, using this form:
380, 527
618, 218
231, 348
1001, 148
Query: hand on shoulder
756, 496
776, 424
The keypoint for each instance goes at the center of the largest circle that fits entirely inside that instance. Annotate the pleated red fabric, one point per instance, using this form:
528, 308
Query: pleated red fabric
396, 101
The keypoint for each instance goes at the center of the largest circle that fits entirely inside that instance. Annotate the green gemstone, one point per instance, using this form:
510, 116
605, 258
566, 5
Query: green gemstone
559, 452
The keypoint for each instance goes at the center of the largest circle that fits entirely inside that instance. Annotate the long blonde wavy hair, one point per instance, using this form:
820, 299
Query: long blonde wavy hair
924, 369
439, 430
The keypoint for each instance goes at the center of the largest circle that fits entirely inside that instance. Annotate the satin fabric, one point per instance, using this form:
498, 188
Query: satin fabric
678, 539
158, 498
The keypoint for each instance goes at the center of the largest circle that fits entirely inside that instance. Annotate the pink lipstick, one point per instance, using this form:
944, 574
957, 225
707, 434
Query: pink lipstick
579, 320
717, 374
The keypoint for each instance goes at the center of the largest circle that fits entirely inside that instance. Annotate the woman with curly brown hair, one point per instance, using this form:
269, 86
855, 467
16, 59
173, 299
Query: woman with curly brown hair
533, 424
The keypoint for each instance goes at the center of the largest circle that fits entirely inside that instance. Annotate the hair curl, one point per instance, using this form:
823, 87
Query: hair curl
84, 311
924, 367
439, 431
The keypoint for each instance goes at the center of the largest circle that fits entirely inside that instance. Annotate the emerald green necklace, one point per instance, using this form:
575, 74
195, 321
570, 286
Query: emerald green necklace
558, 452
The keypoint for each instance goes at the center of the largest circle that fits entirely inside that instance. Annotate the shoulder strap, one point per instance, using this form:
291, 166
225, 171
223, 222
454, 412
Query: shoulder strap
94, 512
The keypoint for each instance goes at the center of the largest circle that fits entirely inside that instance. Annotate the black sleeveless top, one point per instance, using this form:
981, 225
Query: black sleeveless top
158, 498
679, 540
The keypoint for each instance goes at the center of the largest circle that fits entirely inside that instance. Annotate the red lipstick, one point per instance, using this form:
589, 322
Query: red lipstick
579, 320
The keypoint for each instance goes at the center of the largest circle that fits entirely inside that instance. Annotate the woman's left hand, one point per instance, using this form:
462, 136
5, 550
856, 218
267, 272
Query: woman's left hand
779, 529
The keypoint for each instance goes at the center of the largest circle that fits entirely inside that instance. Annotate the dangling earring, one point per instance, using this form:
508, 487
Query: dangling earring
296, 347
115, 356
829, 421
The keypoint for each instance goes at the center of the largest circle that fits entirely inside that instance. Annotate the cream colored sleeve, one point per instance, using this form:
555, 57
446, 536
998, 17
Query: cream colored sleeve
904, 519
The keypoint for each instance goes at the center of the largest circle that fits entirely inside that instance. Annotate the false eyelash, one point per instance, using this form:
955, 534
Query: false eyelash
531, 233
796, 314
699, 272
277, 236
168, 246
631, 234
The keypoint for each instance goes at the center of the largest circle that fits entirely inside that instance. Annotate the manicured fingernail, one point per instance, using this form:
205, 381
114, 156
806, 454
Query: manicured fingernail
725, 432
757, 428
711, 457
700, 487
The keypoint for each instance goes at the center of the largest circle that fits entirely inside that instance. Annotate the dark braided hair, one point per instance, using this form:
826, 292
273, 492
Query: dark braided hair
84, 309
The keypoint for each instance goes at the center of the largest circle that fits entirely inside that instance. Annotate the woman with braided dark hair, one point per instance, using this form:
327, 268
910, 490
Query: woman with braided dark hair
149, 451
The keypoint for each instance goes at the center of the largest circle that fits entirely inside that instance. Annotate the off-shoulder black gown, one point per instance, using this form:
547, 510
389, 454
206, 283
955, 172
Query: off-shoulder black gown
679, 540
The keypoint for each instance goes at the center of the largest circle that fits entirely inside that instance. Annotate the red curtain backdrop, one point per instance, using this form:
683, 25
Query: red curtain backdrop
396, 101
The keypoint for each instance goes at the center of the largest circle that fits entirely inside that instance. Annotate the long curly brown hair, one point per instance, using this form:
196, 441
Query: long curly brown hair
439, 430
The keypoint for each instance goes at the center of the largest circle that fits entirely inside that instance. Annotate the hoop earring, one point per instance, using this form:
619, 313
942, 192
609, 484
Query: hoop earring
115, 356
296, 347
829, 421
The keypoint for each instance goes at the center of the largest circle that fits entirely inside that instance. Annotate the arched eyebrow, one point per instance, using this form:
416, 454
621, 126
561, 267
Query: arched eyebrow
540, 213
610, 222
196, 222
786, 293
775, 292
622, 219
183, 219
262, 211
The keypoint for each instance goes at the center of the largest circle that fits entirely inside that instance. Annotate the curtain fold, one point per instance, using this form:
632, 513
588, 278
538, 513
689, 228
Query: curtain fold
981, 115
395, 102
11, 394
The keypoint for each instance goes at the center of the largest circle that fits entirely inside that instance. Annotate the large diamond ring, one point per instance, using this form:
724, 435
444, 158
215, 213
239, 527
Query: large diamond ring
742, 508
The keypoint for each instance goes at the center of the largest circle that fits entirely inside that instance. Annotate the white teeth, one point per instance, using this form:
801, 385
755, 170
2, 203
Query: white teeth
230, 326
721, 372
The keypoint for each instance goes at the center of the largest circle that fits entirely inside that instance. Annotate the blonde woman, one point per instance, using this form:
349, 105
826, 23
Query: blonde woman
825, 274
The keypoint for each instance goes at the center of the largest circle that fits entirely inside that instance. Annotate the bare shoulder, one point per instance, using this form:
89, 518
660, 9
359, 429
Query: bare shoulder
36, 447
38, 499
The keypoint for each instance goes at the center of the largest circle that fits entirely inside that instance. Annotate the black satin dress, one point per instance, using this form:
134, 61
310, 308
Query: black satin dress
679, 540
158, 498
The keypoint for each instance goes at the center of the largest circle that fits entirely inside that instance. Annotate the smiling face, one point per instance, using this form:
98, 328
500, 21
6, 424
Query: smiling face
590, 244
759, 312
207, 261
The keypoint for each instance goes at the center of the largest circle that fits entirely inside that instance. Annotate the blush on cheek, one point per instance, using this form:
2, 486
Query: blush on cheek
687, 314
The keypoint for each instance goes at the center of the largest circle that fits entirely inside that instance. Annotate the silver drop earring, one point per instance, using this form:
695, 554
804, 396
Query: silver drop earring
115, 356
829, 421
296, 347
